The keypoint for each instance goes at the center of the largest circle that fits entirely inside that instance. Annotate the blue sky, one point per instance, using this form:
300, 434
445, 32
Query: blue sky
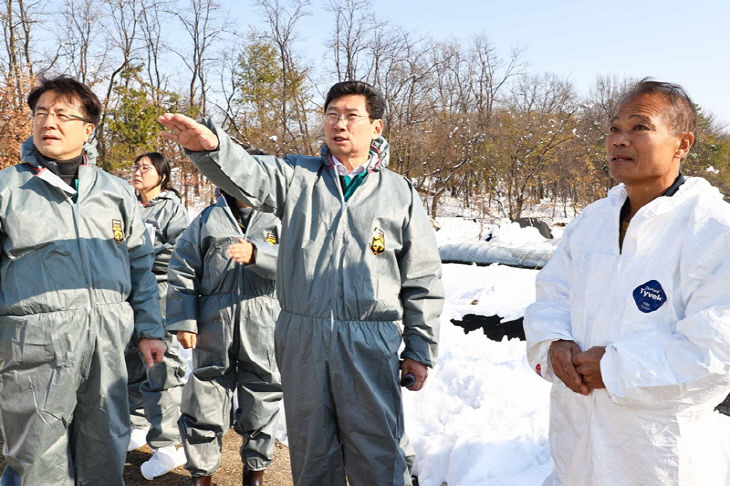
680, 41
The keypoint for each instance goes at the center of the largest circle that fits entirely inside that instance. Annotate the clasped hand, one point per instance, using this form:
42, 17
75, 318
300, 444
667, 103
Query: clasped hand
241, 252
580, 371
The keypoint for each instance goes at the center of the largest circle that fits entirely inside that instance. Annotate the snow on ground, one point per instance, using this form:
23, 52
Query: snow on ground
482, 419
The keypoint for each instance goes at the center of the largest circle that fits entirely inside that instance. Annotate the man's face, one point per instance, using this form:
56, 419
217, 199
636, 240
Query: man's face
642, 146
58, 131
349, 137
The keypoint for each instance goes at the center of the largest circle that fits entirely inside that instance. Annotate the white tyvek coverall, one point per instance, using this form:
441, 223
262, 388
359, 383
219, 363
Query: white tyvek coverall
155, 393
346, 306
661, 307
233, 309
75, 282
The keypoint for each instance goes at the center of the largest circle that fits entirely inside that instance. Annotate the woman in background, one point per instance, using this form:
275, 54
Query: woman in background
155, 393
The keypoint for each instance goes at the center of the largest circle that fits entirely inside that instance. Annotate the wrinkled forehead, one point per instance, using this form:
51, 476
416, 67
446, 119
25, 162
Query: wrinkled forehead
651, 105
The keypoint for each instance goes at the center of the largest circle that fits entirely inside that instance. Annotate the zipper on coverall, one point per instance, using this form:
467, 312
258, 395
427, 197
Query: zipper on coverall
338, 236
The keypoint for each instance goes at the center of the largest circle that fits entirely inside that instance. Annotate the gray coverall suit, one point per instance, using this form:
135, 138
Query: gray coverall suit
155, 393
355, 279
75, 283
233, 309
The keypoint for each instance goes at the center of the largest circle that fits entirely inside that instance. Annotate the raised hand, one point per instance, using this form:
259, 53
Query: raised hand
188, 133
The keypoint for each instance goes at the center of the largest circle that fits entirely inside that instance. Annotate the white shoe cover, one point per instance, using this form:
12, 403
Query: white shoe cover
163, 460
138, 438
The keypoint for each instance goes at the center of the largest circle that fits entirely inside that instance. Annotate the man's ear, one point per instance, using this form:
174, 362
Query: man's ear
89, 128
685, 144
377, 128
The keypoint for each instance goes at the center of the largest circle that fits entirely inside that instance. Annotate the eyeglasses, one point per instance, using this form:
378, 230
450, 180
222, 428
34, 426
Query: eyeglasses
142, 168
350, 118
42, 115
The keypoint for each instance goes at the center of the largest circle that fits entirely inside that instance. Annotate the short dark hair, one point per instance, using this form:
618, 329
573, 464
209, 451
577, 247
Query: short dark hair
70, 90
374, 101
162, 167
682, 115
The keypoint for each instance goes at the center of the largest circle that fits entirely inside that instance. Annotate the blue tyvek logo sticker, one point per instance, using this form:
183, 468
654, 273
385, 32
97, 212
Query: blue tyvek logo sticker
649, 296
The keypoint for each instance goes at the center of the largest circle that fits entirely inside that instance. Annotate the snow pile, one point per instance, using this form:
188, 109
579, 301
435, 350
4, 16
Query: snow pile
503, 233
511, 234
457, 230
482, 418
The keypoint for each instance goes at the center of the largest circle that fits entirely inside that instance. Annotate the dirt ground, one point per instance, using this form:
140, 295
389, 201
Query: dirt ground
229, 474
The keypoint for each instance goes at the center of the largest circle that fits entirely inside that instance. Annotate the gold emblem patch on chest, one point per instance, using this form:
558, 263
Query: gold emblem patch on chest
378, 244
117, 231
271, 239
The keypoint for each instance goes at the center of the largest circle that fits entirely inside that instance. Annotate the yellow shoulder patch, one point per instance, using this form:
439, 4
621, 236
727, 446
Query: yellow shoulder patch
117, 231
377, 246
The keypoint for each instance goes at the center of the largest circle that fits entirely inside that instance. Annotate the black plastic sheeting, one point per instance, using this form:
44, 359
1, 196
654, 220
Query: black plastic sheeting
491, 326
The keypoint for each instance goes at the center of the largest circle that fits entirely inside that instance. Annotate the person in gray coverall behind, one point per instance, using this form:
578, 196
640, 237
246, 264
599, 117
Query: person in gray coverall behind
75, 285
155, 393
358, 273
222, 304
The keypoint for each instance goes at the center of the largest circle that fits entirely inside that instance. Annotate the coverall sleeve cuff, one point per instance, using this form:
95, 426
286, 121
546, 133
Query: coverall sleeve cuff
418, 349
156, 334
538, 356
185, 326
264, 262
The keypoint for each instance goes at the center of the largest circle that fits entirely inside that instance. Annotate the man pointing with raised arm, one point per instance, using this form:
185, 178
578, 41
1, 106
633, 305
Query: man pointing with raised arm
358, 273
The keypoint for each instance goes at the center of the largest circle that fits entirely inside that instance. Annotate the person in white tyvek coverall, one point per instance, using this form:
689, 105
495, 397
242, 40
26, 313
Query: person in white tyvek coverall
75, 285
632, 318
358, 274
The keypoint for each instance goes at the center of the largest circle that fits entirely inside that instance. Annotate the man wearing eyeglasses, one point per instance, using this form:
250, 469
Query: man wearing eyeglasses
75, 285
358, 274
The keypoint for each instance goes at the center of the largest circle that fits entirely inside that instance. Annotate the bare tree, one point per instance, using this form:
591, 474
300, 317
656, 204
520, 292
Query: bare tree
123, 33
355, 22
282, 21
229, 105
539, 119
151, 30
203, 26
491, 74
18, 18
27, 18
85, 51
